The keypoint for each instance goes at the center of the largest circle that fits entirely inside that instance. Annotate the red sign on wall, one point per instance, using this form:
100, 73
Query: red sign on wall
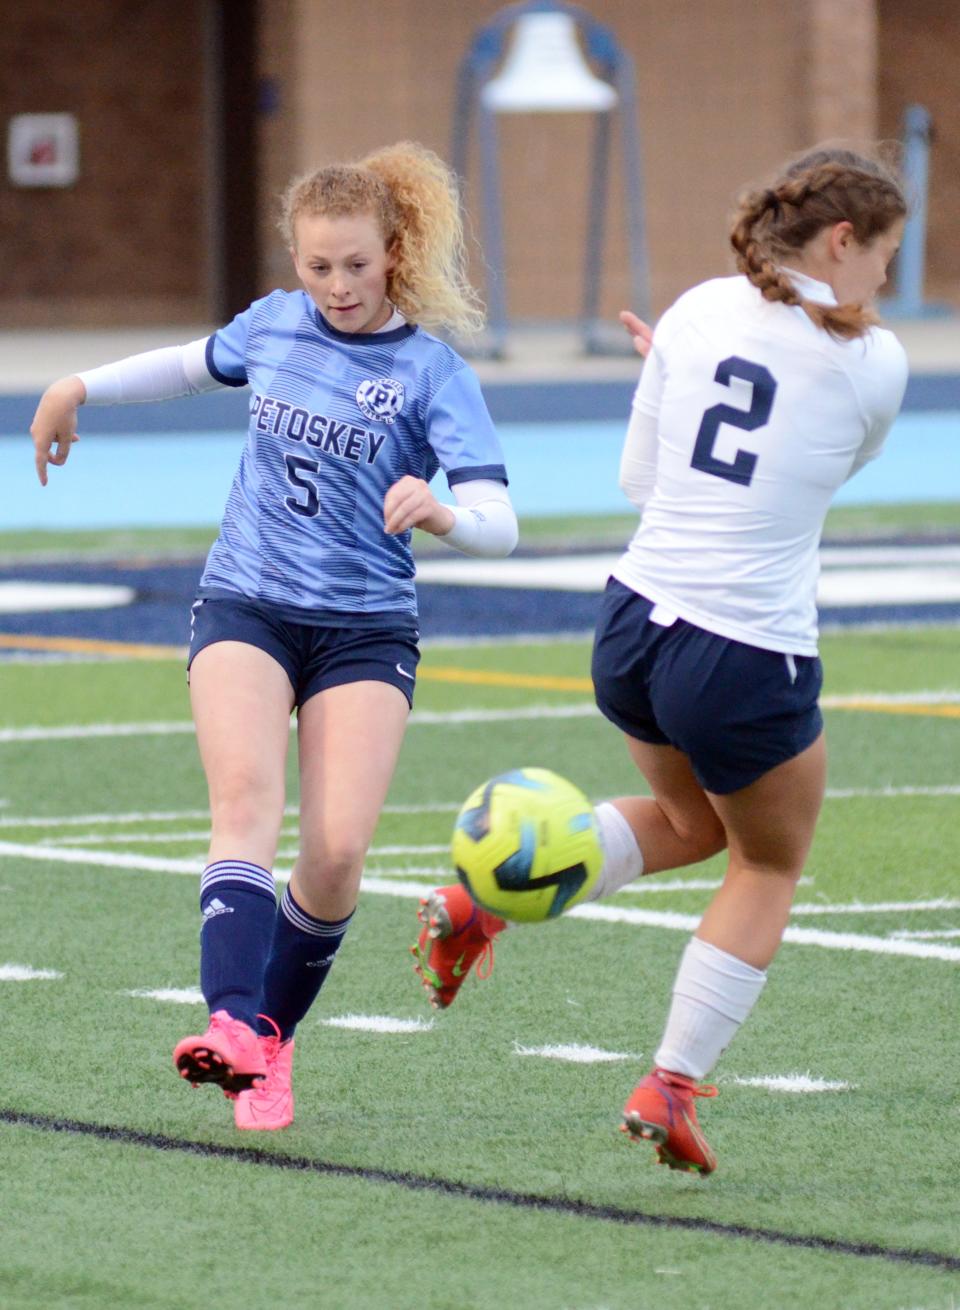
43, 150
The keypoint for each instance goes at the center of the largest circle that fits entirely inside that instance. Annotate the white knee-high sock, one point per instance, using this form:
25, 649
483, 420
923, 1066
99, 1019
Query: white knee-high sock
622, 857
712, 995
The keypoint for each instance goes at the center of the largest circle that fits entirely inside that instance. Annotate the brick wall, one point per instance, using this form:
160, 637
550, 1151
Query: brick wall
126, 243
724, 91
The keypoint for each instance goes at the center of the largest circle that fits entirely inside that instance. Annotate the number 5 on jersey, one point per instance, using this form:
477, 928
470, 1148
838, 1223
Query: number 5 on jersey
297, 467
741, 469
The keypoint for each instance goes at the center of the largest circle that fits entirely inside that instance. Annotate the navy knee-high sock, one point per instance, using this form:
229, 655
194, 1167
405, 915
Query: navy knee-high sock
239, 905
300, 959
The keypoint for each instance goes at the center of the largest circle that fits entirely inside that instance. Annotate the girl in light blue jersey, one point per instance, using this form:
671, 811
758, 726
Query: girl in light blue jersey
307, 599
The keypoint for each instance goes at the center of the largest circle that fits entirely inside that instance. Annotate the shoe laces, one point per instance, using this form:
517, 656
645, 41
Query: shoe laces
271, 1041
476, 926
684, 1084
485, 960
224, 1022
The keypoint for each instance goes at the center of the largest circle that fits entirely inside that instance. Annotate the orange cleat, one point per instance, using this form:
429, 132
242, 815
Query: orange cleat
661, 1110
228, 1054
457, 934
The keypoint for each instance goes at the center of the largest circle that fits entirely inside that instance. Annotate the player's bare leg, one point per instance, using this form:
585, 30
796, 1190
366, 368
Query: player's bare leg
769, 826
678, 825
241, 701
349, 739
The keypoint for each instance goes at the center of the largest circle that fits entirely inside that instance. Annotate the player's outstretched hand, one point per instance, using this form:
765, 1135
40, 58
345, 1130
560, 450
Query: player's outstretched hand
411, 504
55, 424
641, 332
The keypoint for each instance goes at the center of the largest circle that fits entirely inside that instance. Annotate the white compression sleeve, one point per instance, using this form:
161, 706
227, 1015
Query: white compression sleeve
638, 463
484, 520
154, 375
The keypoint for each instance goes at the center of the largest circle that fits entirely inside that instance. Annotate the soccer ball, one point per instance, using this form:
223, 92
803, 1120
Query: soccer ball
526, 845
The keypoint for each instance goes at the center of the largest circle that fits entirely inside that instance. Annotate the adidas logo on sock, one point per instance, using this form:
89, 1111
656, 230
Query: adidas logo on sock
215, 907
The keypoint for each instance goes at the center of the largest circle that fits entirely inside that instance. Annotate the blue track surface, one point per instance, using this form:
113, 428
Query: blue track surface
182, 479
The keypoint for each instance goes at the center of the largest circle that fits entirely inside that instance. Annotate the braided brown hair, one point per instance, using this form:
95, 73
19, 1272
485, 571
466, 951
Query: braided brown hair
830, 184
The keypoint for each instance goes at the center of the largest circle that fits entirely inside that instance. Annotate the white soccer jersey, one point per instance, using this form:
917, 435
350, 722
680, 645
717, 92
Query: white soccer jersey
760, 416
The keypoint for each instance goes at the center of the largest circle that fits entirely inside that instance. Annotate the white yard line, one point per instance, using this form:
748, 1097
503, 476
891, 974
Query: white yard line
793, 1082
24, 973
942, 697
946, 935
378, 1023
380, 886
887, 793
452, 718
438, 718
169, 995
877, 907
418, 719
92, 820
833, 941
203, 836
137, 863
428, 807
82, 731
130, 838
574, 1053
434, 873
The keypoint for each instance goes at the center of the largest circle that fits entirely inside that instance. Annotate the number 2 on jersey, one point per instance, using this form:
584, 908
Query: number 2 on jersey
741, 469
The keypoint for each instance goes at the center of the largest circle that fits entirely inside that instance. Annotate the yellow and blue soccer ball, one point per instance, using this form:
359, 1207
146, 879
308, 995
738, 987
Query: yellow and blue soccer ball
526, 845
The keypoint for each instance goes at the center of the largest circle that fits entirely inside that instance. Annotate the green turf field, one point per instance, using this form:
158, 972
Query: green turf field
472, 1159
925, 520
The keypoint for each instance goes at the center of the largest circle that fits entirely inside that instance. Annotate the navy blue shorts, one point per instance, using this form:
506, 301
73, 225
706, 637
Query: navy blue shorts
735, 711
314, 657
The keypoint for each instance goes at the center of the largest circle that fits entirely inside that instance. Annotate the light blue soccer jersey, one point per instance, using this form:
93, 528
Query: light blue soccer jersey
335, 420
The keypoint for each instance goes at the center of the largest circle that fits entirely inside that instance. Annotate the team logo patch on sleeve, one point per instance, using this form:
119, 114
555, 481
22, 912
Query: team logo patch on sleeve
381, 398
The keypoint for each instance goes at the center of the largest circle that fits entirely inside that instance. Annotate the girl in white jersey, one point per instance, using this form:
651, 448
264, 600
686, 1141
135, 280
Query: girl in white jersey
307, 598
760, 395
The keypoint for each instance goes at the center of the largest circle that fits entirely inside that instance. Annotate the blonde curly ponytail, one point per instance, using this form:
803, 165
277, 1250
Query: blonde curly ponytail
414, 197
826, 186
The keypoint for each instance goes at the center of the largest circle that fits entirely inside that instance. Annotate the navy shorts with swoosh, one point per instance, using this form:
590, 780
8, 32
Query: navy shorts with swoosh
315, 656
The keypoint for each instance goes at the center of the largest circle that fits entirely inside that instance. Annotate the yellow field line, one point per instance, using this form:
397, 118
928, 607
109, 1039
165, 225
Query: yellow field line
462, 677
896, 707
490, 678
540, 682
92, 646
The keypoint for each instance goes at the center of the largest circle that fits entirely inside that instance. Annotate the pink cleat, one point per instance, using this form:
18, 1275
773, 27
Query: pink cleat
269, 1105
228, 1053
